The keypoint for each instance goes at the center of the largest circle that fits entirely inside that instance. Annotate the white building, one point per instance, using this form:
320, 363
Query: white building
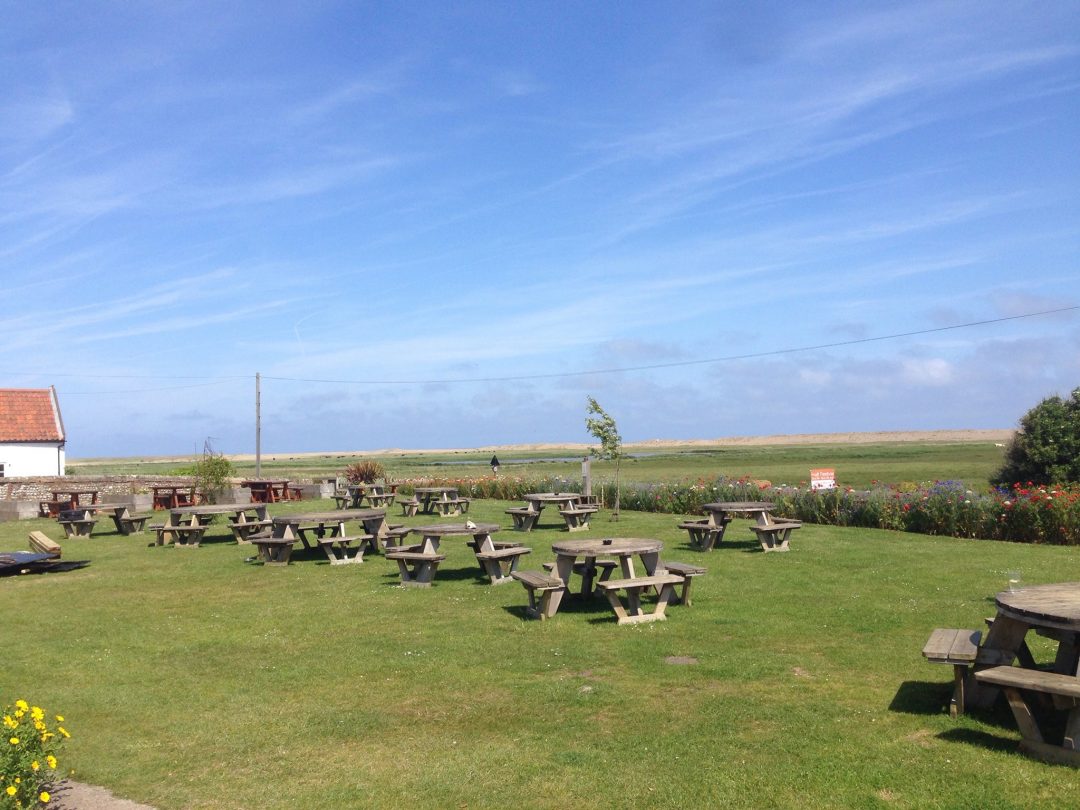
31, 433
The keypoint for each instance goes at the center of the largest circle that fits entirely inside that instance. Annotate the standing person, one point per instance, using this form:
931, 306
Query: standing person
494, 464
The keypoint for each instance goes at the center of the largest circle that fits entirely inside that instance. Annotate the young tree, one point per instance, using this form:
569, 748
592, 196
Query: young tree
1046, 449
605, 431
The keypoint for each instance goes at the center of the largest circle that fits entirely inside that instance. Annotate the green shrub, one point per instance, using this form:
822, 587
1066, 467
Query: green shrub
28, 749
365, 472
1046, 449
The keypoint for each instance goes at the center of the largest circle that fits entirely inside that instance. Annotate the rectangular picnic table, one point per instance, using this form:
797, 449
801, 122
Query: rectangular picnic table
270, 491
62, 499
172, 496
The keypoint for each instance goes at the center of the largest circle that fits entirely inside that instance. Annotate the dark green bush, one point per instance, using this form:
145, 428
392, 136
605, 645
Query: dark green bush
1046, 450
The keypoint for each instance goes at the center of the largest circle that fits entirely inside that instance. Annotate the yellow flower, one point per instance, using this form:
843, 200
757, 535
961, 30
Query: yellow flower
35, 765
14, 741
59, 718
44, 796
39, 726
50, 760
23, 705
63, 731
46, 736
19, 713
37, 713
10, 722
12, 790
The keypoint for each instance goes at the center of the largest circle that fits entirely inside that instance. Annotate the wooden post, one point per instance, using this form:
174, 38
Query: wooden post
586, 475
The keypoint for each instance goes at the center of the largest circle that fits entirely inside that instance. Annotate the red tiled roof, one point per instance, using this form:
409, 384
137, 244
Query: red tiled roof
29, 415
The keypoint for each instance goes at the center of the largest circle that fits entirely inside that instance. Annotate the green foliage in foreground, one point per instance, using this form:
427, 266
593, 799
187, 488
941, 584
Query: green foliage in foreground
1046, 450
198, 681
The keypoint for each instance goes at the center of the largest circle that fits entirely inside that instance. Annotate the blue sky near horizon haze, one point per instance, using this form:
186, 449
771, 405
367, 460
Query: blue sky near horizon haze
389, 210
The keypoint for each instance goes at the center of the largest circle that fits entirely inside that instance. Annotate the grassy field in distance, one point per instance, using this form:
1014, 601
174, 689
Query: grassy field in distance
857, 465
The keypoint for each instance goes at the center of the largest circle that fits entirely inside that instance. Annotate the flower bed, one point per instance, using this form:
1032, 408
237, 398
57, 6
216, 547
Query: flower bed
1024, 513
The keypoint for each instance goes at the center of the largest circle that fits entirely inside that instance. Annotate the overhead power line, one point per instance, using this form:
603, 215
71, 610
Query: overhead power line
681, 363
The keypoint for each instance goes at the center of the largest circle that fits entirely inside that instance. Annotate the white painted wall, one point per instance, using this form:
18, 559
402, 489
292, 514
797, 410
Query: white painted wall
24, 459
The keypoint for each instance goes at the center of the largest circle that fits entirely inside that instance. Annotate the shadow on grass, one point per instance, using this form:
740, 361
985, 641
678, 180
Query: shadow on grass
932, 698
970, 736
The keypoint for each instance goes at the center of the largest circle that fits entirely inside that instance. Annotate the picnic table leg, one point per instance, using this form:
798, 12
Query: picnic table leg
1005, 637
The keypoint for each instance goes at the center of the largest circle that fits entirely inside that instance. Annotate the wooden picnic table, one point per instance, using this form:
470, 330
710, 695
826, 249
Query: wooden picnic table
172, 496
1052, 611
623, 549
62, 499
328, 529
187, 524
707, 533
270, 491
538, 500
497, 560
441, 500
379, 494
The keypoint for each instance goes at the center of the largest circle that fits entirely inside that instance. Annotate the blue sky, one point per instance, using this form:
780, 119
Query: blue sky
410, 218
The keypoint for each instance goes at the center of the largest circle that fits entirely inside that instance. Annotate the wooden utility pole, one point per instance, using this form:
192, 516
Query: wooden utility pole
258, 425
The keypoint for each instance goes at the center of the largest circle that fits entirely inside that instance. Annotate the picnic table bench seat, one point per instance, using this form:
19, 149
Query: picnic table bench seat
243, 529
273, 551
409, 506
393, 536
959, 648
632, 613
130, 524
500, 563
77, 527
1065, 689
538, 582
775, 536
525, 519
417, 568
342, 501
687, 571
586, 569
381, 501
704, 535
577, 518
41, 543
337, 548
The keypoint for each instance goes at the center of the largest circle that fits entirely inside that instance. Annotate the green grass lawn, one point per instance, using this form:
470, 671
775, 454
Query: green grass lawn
191, 679
857, 465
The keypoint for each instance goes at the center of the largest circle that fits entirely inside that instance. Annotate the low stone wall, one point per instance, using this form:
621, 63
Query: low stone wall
110, 487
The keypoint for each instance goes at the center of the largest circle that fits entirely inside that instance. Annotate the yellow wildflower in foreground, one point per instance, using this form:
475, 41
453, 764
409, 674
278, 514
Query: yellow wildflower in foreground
50, 760
63, 731
59, 718
37, 713
44, 797
14, 741
35, 765
11, 790
22, 705
10, 721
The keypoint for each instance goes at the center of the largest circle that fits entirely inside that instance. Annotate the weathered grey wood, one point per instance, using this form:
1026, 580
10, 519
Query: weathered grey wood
1014, 681
959, 648
337, 549
417, 568
499, 564
577, 520
273, 551
687, 572
82, 527
409, 507
775, 536
1035, 680
525, 519
633, 613
538, 582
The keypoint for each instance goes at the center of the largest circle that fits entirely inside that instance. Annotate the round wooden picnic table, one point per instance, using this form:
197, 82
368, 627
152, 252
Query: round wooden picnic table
434, 532
624, 548
1055, 606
